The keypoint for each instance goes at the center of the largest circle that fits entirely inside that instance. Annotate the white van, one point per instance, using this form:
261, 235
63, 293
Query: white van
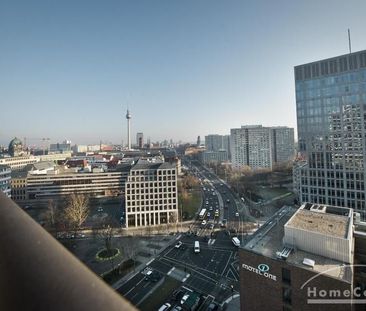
235, 241
165, 306
197, 247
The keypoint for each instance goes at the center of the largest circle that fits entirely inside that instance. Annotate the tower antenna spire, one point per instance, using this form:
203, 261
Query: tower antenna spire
128, 117
349, 41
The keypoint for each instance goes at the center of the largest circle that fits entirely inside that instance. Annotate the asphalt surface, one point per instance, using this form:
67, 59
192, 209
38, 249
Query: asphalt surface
213, 272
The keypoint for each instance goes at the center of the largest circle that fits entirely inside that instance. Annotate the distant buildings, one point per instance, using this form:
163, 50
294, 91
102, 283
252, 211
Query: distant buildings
140, 140
303, 258
331, 109
217, 149
151, 194
17, 163
44, 180
5, 180
65, 146
261, 147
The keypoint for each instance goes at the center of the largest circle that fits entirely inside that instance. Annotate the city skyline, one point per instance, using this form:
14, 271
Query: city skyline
190, 68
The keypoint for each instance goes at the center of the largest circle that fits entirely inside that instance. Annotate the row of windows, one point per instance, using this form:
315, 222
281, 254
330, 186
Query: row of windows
150, 208
150, 173
150, 202
150, 185
331, 66
151, 196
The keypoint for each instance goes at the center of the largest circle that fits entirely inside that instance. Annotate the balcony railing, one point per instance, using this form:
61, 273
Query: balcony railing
38, 273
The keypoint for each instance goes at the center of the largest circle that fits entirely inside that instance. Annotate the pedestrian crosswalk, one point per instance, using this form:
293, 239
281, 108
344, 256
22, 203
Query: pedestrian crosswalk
211, 241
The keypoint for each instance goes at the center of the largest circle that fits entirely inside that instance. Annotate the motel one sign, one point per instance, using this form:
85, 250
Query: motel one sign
261, 270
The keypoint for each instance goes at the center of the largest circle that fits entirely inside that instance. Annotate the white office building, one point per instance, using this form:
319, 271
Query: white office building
151, 194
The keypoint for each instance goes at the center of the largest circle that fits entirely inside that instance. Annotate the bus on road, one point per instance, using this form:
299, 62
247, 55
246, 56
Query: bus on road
202, 214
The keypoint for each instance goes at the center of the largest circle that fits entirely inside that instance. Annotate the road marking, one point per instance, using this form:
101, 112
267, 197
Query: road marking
138, 283
231, 253
149, 262
187, 289
185, 279
171, 270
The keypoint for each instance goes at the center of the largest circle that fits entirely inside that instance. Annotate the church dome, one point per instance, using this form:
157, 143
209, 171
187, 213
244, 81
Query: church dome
15, 147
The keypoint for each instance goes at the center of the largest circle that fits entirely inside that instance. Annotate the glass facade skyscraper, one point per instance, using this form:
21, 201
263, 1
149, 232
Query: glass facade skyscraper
331, 120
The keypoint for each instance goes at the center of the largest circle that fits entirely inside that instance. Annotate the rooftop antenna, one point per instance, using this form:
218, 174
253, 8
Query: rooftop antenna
349, 41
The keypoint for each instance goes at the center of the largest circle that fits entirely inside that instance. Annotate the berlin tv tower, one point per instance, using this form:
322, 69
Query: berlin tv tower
128, 117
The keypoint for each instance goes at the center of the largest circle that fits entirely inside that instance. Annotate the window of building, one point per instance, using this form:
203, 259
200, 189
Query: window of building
286, 294
286, 276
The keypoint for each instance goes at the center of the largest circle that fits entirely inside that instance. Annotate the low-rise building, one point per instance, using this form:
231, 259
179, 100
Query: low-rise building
18, 163
301, 259
19, 186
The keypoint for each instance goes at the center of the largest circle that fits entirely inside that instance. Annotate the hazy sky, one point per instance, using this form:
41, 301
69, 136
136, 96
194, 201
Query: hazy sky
69, 69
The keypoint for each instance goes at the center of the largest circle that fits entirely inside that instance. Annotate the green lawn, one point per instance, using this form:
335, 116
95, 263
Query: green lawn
160, 295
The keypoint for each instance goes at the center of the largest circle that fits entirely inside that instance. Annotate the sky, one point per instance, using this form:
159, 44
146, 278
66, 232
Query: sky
70, 69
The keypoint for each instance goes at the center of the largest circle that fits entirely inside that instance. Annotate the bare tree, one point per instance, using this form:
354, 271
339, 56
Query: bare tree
130, 248
173, 220
77, 210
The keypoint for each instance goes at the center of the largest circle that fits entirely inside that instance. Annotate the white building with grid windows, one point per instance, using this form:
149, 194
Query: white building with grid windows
261, 147
151, 194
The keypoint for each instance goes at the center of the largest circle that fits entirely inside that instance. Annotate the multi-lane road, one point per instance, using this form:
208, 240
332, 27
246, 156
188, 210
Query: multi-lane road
212, 273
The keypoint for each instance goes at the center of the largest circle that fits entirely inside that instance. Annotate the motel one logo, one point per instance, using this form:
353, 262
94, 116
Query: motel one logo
262, 270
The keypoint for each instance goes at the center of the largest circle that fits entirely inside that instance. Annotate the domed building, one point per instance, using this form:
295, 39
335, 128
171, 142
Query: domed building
15, 147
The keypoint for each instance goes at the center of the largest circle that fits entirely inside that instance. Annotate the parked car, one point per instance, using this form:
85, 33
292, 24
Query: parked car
152, 276
165, 306
179, 244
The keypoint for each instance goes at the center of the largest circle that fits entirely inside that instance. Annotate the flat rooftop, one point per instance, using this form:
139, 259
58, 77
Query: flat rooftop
323, 223
268, 241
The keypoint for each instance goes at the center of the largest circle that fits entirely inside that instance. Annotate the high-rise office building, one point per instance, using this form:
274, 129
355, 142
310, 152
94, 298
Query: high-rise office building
217, 148
214, 142
283, 143
261, 147
140, 140
331, 107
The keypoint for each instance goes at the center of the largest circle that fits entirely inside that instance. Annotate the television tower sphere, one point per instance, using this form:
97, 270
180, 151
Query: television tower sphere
128, 115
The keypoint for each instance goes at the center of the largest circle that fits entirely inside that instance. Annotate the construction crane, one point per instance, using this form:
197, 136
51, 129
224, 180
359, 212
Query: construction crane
39, 139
